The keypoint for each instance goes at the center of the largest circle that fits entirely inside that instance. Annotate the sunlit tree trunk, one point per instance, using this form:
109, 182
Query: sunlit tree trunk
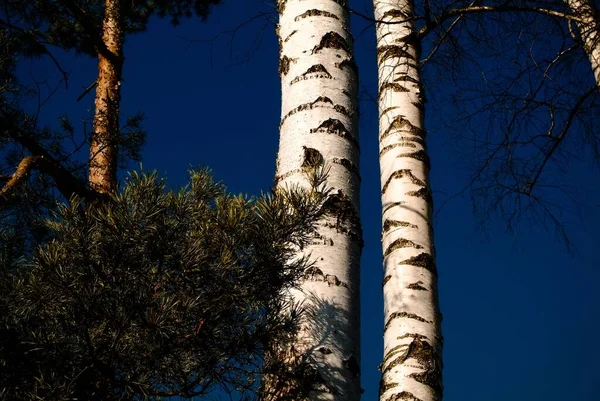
319, 128
412, 362
104, 139
589, 31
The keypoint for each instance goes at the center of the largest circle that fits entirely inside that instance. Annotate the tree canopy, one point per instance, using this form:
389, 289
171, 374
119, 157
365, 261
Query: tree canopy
154, 293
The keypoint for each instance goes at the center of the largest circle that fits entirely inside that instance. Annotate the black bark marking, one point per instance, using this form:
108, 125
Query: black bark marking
332, 40
281, 6
315, 13
336, 127
391, 205
317, 68
420, 155
325, 351
389, 354
401, 243
416, 286
321, 240
395, 13
423, 193
423, 260
386, 279
403, 142
314, 273
338, 205
312, 158
402, 315
387, 109
391, 51
284, 65
430, 362
342, 110
333, 280
391, 224
290, 35
393, 86
406, 78
403, 396
401, 124
348, 164
412, 335
314, 72
401, 174
321, 101
283, 176
385, 386
348, 63
419, 105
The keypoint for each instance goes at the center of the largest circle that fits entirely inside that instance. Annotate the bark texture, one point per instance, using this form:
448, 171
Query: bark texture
319, 128
589, 31
412, 361
105, 135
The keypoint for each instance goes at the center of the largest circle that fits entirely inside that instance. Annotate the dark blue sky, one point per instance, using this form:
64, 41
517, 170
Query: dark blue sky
521, 315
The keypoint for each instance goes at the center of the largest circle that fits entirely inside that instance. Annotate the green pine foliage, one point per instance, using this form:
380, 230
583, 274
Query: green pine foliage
155, 293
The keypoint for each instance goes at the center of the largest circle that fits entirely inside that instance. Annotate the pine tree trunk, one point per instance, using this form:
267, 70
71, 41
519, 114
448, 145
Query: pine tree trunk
412, 362
589, 31
105, 135
319, 128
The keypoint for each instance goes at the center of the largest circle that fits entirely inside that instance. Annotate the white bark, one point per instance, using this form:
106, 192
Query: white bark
319, 126
589, 31
412, 363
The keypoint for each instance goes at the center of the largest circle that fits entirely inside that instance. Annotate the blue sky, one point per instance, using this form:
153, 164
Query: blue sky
521, 318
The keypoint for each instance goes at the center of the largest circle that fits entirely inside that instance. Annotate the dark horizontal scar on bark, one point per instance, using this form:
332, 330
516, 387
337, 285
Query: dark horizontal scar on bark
348, 63
316, 13
403, 315
423, 193
284, 65
348, 165
423, 260
391, 86
399, 123
391, 224
403, 142
332, 40
385, 280
315, 274
290, 35
406, 78
391, 205
314, 72
403, 396
321, 101
420, 155
281, 177
398, 174
336, 127
390, 51
417, 286
401, 243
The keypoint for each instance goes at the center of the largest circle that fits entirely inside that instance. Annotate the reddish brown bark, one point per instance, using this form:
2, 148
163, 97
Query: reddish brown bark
105, 136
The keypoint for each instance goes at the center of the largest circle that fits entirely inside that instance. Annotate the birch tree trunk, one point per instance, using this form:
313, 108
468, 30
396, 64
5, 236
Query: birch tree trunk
105, 135
589, 31
319, 129
412, 362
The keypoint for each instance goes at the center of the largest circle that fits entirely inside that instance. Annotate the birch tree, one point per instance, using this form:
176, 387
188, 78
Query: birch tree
412, 362
318, 131
589, 29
